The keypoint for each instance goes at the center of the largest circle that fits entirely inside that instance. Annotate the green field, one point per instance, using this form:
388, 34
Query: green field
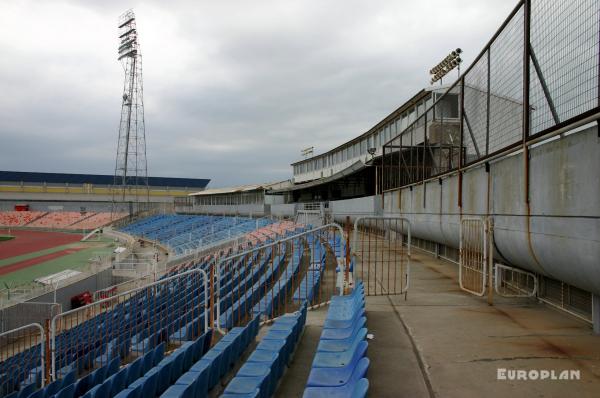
74, 261
6, 237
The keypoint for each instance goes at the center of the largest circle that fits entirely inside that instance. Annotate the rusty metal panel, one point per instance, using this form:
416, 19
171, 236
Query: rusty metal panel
381, 254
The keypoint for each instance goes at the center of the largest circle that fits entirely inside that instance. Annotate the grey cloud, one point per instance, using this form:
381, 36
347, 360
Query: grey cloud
233, 90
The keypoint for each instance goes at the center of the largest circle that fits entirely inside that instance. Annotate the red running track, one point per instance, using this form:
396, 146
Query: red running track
33, 241
7, 269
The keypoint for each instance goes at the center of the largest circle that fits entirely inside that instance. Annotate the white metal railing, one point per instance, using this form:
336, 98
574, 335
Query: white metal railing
241, 263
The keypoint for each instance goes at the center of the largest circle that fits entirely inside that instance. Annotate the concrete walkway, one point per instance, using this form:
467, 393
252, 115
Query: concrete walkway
460, 342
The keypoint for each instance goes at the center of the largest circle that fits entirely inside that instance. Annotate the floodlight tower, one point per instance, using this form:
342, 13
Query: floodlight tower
131, 172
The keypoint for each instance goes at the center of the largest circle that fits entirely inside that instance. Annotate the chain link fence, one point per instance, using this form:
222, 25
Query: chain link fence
539, 73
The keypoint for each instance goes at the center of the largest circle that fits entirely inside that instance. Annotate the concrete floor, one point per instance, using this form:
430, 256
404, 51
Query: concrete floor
443, 342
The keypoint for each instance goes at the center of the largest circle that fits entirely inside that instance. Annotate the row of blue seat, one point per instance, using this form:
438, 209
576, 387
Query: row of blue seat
260, 374
340, 366
312, 278
98, 328
206, 373
254, 287
136, 325
159, 378
271, 301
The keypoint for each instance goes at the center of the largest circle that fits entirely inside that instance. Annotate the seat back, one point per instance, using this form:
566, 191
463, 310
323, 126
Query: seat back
159, 353
134, 370
198, 346
118, 382
207, 341
150, 386
68, 379
164, 378
81, 386
104, 390
147, 362
67, 392
360, 389
113, 367
38, 394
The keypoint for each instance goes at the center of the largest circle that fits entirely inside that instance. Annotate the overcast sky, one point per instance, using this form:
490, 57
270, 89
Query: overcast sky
232, 89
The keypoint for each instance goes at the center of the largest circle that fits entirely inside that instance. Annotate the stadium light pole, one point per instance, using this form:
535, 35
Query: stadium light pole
450, 62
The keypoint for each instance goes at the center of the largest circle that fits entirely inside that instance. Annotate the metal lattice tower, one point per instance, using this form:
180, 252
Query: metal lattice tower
131, 172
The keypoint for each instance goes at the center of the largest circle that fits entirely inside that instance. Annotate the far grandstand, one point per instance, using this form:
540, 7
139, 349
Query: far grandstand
51, 226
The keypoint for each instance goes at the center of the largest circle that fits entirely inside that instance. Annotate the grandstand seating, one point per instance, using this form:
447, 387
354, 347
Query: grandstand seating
312, 279
89, 353
59, 219
184, 234
263, 369
339, 366
18, 218
98, 220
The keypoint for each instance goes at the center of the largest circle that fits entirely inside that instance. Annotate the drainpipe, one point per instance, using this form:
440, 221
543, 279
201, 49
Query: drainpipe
596, 313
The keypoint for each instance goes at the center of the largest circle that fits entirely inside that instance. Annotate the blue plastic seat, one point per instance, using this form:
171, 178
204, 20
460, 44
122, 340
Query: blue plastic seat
340, 345
237, 339
147, 362
360, 389
164, 377
179, 391
149, 385
226, 358
254, 369
270, 358
118, 381
188, 357
198, 347
250, 395
279, 346
343, 333
39, 393
134, 370
130, 393
179, 359
68, 379
213, 361
26, 391
103, 390
249, 384
51, 389
67, 392
350, 390
113, 367
336, 377
81, 386
343, 358
201, 372
207, 341
158, 354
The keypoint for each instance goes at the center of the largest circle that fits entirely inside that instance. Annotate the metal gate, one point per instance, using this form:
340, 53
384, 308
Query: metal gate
312, 218
473, 255
381, 254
